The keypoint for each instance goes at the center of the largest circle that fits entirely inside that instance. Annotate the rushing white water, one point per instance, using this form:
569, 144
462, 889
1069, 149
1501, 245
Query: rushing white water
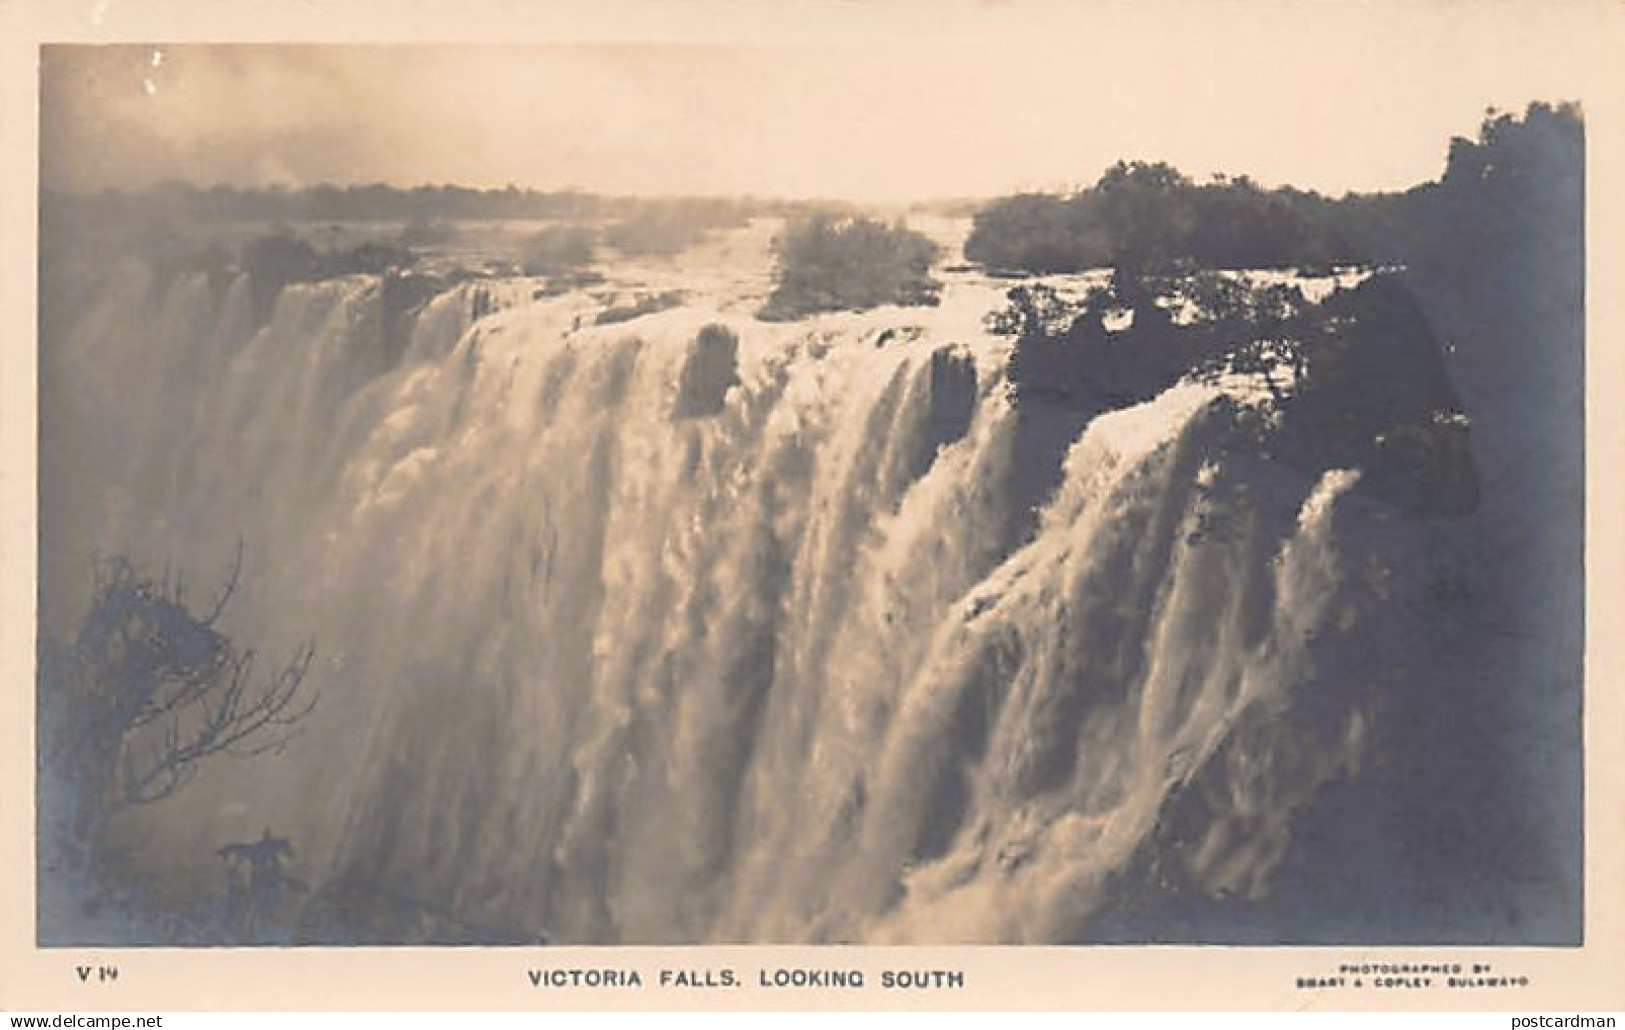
598, 668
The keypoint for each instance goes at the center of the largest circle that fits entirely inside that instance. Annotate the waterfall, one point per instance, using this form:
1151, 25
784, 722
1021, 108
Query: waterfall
600, 663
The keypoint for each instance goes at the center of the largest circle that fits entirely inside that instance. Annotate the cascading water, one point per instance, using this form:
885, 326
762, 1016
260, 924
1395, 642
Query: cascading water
697, 628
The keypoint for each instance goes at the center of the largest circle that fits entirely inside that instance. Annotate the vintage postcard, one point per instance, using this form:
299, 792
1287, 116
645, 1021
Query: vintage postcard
862, 505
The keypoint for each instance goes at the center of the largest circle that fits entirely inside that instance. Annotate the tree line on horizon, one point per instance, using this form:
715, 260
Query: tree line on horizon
382, 202
1144, 217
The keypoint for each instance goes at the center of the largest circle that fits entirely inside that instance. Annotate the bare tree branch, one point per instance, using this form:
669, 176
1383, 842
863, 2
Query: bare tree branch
155, 690
228, 589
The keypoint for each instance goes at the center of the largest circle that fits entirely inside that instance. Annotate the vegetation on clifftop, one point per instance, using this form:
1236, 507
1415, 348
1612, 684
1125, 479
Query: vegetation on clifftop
825, 263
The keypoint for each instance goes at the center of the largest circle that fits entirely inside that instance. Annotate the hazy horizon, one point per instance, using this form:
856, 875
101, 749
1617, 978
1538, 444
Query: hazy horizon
1039, 102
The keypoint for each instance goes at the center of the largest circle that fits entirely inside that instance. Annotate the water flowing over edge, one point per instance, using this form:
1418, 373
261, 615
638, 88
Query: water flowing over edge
616, 649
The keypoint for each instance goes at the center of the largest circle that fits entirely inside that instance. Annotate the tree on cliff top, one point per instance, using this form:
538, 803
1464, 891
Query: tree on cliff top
827, 263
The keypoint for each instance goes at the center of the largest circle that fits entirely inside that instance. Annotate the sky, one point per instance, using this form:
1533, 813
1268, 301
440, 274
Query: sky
883, 101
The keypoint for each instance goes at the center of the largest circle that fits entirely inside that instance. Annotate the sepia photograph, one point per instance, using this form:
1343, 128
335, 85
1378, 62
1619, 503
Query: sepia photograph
878, 484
